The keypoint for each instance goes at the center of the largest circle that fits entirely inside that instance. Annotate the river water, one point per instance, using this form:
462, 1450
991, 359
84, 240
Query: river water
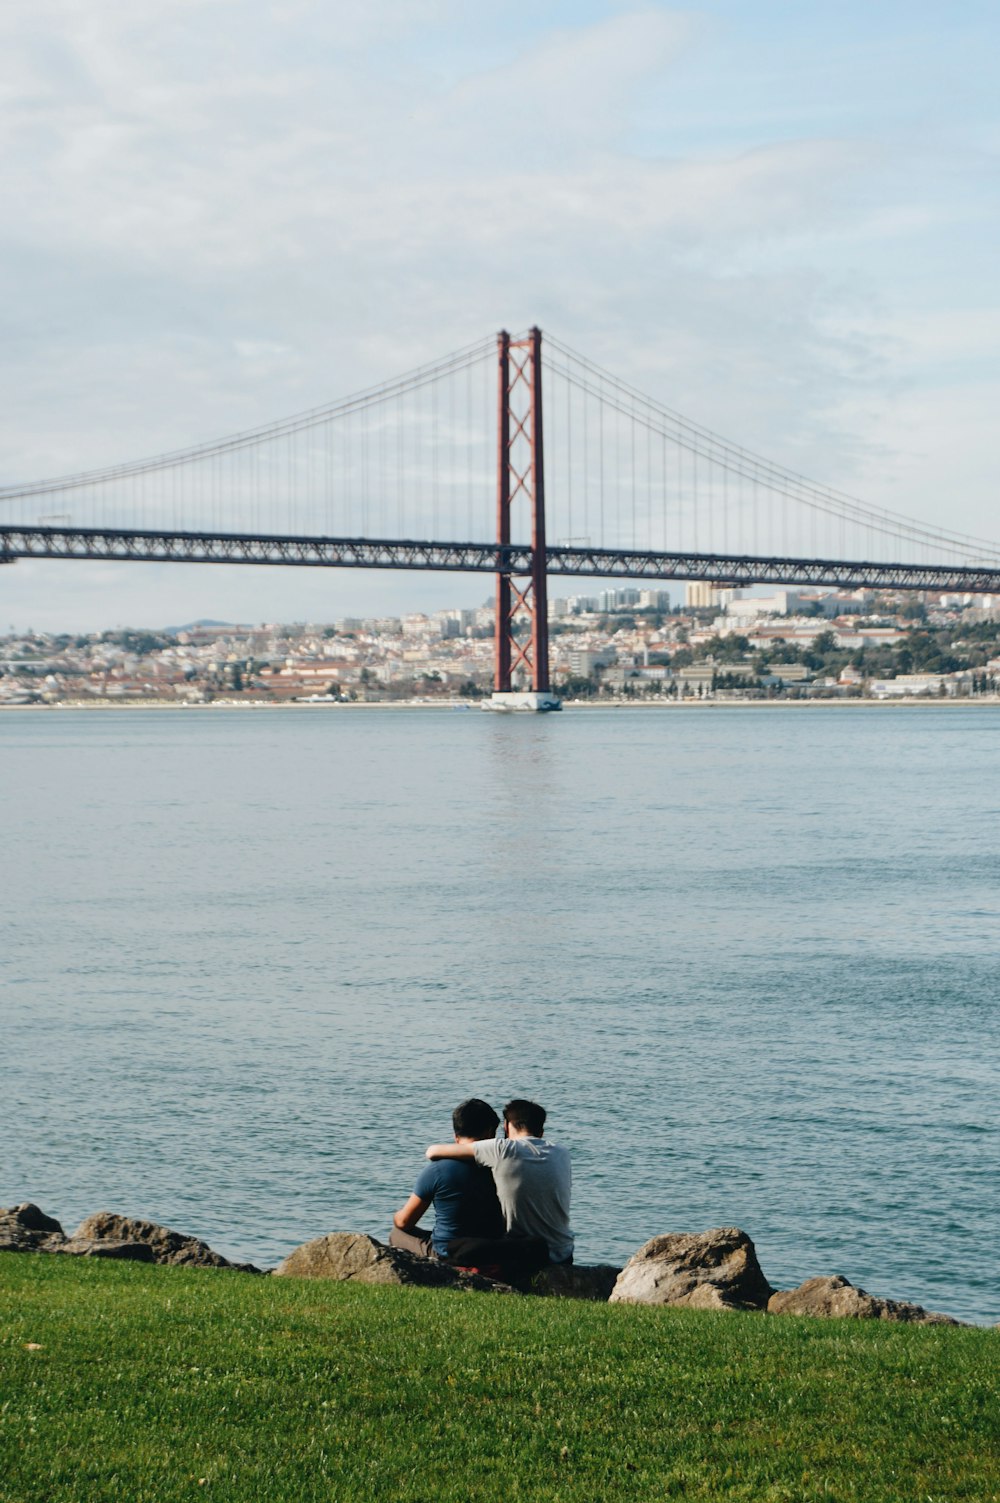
747, 957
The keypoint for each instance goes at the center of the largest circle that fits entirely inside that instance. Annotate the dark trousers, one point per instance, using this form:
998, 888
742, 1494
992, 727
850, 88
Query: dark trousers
418, 1242
513, 1257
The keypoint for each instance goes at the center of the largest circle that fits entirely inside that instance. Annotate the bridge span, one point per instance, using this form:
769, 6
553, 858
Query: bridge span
402, 475
138, 546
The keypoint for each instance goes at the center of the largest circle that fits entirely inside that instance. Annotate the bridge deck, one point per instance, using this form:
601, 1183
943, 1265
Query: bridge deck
109, 544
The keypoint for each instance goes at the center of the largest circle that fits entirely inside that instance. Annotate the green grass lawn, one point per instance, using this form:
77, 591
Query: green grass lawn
144, 1384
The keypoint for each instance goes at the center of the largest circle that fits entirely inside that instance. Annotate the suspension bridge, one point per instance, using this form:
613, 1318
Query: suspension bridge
452, 468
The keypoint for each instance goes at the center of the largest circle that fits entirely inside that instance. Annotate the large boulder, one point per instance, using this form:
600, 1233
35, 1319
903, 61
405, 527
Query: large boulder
713, 1270
165, 1246
361, 1259
836, 1297
25, 1228
576, 1280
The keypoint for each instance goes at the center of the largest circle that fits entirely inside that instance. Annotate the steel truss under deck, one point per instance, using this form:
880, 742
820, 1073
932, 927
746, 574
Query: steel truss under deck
129, 545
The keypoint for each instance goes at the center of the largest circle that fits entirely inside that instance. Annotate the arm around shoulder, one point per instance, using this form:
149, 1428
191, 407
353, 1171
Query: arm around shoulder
451, 1151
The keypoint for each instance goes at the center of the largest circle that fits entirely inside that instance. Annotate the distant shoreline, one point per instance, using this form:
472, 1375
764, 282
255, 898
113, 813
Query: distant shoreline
913, 703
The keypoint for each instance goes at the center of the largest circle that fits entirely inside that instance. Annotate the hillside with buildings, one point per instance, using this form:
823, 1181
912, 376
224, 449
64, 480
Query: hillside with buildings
619, 644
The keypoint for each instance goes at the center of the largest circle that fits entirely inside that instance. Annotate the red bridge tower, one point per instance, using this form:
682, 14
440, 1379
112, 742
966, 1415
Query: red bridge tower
522, 646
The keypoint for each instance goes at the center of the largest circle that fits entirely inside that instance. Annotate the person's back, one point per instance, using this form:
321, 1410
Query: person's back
465, 1201
463, 1195
533, 1179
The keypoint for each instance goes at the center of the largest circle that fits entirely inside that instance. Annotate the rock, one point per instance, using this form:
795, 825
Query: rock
90, 1247
576, 1281
25, 1228
837, 1297
714, 1270
341, 1255
30, 1216
361, 1259
165, 1246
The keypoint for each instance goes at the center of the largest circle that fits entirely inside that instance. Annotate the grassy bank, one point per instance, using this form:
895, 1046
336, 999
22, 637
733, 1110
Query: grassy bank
146, 1384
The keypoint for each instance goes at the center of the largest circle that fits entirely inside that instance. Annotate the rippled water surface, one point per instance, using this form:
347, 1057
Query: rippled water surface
747, 957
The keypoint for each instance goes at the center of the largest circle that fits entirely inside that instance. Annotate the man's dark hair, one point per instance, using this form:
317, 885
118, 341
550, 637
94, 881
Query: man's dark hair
527, 1115
474, 1119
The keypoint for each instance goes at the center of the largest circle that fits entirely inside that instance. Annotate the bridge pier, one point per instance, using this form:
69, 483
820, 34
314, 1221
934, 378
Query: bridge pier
521, 478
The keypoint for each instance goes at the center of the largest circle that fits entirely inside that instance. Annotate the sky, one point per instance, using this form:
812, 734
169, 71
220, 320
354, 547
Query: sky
781, 219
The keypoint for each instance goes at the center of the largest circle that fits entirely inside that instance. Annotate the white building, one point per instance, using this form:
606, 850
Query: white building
582, 661
781, 603
907, 685
700, 595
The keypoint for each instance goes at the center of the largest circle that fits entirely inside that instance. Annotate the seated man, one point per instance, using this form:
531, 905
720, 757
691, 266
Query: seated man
533, 1177
462, 1194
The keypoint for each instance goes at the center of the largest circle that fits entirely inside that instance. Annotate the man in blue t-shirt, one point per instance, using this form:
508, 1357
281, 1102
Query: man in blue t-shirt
462, 1193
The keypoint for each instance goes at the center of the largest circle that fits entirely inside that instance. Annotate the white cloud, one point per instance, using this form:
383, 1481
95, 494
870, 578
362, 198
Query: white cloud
569, 94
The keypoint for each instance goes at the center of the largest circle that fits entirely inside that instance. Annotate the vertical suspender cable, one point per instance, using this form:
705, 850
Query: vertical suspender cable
467, 431
663, 477
327, 476
383, 497
434, 459
600, 416
632, 446
349, 487
726, 546
679, 458
365, 423
651, 518
754, 518
585, 400
569, 456
400, 457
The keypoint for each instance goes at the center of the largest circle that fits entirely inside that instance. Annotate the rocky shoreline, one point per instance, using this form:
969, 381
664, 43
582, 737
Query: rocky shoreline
713, 1270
